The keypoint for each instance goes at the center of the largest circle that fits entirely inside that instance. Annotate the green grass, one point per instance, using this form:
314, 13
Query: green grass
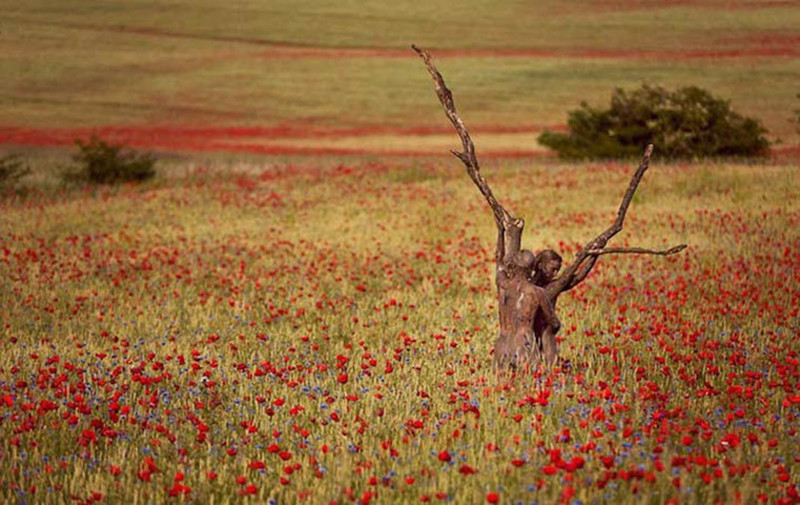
443, 24
66, 64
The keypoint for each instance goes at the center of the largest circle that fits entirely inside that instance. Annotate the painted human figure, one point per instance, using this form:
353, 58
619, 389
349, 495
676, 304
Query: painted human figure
546, 267
522, 306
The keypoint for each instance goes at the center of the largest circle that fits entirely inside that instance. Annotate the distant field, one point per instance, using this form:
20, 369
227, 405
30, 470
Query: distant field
321, 332
71, 66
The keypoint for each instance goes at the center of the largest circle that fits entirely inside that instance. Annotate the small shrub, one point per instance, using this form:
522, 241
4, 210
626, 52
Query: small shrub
102, 163
686, 123
12, 169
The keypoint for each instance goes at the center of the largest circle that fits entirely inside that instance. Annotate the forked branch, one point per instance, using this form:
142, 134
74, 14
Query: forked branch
511, 226
587, 256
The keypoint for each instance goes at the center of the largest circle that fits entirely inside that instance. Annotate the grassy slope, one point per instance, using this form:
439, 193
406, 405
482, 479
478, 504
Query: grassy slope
442, 24
66, 63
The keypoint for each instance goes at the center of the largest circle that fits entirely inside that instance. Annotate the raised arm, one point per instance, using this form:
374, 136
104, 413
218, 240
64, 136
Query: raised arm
591, 260
581, 272
586, 258
500, 252
501, 267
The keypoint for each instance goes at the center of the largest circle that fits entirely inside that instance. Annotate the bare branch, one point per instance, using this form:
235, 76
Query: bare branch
636, 250
572, 276
503, 219
601, 240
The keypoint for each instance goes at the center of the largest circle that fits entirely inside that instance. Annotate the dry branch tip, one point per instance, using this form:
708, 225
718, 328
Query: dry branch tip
636, 250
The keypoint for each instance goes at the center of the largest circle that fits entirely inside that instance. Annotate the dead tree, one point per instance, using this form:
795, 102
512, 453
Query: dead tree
517, 272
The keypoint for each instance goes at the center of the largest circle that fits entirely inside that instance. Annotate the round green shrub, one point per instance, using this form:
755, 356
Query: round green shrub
687, 123
102, 163
12, 169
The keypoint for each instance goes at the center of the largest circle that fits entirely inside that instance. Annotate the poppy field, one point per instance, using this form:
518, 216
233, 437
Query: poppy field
321, 331
301, 307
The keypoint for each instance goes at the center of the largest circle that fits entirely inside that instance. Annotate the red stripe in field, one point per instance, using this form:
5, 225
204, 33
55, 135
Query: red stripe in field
289, 131
246, 139
267, 140
325, 151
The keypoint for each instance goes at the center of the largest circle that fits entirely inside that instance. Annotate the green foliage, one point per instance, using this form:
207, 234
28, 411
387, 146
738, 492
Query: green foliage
102, 163
686, 123
12, 169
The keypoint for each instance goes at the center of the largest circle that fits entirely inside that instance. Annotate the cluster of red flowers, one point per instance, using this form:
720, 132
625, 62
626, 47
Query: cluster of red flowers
179, 363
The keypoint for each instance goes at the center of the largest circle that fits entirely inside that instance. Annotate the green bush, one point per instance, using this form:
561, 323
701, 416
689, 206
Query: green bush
12, 169
102, 163
686, 123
